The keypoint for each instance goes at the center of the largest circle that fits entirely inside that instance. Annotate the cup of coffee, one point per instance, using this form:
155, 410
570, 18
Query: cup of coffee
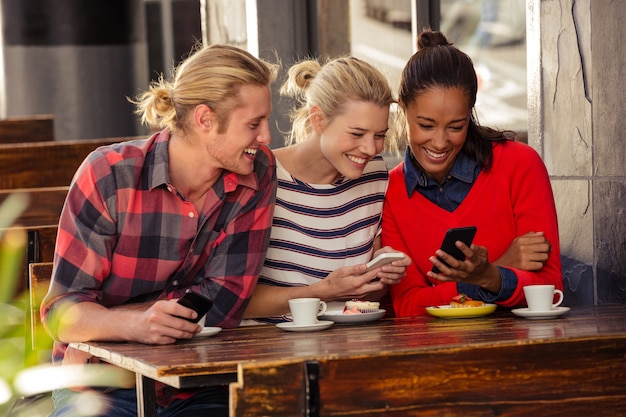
306, 310
541, 297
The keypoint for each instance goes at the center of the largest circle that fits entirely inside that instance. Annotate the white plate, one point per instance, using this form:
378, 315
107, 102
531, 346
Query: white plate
338, 316
208, 331
524, 312
291, 327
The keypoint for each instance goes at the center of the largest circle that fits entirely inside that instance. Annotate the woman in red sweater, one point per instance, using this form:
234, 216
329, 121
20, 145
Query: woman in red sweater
457, 173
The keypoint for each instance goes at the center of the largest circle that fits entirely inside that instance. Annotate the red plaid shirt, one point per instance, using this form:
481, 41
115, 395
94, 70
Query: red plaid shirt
126, 235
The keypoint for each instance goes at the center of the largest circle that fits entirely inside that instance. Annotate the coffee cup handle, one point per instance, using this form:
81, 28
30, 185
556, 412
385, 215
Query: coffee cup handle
323, 308
558, 303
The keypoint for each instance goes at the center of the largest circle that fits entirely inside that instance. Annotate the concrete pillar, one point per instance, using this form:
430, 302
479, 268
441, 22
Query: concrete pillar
294, 30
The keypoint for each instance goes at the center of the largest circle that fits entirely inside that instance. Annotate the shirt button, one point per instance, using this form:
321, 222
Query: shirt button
175, 282
191, 214
169, 188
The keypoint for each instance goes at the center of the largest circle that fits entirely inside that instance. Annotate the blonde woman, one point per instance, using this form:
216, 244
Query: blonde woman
331, 186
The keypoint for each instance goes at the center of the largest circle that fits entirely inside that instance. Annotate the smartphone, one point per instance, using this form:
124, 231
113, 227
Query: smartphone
197, 302
464, 234
383, 259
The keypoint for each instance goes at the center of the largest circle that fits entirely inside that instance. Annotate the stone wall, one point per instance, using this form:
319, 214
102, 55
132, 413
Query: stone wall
577, 99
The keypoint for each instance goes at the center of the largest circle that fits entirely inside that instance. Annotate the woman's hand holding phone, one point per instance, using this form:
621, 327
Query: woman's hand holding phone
464, 234
392, 275
383, 259
473, 268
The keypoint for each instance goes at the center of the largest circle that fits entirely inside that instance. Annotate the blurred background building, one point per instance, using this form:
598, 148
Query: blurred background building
79, 60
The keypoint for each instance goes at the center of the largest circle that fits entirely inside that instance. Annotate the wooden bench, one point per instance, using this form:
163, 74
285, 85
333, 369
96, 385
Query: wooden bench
33, 283
40, 274
41, 241
39, 248
40, 221
42, 171
46, 164
44, 205
38, 128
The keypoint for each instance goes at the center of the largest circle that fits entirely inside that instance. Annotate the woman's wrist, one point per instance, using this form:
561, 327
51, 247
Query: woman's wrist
493, 280
320, 290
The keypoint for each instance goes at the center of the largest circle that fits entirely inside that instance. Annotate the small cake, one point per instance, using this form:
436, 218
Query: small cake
352, 310
462, 301
362, 306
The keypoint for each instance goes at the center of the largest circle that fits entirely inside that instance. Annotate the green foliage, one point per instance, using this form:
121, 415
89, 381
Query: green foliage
15, 352
23, 370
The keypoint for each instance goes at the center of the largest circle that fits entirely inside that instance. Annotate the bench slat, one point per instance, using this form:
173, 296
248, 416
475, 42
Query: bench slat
39, 128
44, 205
45, 164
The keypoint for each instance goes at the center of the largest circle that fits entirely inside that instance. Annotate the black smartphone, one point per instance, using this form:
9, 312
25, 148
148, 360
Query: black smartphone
197, 302
464, 234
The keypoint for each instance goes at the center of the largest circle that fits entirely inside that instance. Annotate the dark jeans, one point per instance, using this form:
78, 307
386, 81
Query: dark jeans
210, 402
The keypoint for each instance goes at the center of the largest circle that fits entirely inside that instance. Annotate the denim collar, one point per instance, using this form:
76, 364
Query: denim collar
463, 169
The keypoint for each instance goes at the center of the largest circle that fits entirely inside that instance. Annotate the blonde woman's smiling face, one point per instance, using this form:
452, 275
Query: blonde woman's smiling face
437, 122
351, 139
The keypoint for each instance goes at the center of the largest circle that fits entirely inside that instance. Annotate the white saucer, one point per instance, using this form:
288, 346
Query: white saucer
525, 312
291, 327
208, 331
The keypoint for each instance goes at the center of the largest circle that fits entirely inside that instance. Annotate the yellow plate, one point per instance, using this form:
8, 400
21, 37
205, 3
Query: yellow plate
448, 312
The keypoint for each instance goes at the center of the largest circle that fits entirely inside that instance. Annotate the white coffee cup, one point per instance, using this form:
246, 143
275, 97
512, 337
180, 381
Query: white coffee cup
541, 297
305, 311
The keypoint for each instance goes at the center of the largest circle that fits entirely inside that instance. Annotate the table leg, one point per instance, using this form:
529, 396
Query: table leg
312, 376
146, 397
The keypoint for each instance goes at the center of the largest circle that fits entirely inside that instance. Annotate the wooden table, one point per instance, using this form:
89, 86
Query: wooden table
496, 365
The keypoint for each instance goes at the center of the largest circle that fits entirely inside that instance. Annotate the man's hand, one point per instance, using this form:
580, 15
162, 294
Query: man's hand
164, 322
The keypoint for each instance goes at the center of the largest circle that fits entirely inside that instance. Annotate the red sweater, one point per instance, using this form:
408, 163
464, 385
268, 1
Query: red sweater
514, 197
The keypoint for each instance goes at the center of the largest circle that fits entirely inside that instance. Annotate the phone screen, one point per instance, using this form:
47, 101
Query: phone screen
464, 234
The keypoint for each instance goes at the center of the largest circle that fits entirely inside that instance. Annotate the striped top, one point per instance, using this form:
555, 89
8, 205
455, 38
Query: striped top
319, 228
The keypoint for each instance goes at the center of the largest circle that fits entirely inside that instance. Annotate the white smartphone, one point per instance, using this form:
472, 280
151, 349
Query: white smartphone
383, 259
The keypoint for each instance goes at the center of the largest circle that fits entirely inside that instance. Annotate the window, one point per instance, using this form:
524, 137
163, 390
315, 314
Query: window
492, 32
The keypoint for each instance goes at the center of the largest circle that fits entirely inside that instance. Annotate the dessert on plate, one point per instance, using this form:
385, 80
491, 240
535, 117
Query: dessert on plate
462, 301
355, 306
